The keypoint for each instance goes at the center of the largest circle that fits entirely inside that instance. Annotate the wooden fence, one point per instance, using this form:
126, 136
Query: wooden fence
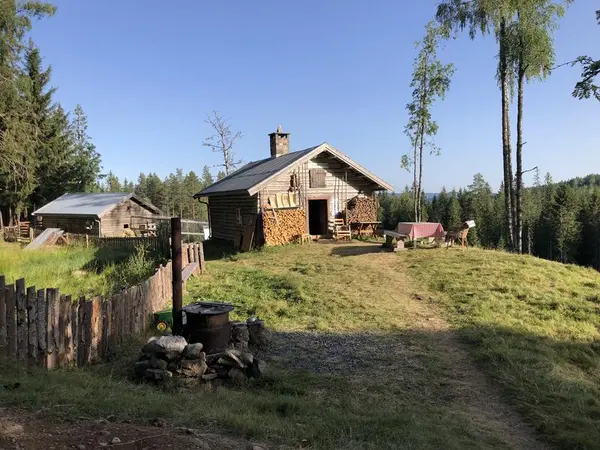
46, 328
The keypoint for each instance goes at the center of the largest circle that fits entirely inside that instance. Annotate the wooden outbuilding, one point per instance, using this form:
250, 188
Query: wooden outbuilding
103, 215
288, 195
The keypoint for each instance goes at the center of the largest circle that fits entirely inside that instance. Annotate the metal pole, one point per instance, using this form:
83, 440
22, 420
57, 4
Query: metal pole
176, 264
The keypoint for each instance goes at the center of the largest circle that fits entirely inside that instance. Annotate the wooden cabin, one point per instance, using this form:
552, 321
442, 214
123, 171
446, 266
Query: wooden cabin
103, 215
319, 182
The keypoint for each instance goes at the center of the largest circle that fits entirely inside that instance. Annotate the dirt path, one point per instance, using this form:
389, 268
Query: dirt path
469, 388
20, 431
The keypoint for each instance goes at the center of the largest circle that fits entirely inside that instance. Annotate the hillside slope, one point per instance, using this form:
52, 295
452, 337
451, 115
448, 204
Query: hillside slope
533, 325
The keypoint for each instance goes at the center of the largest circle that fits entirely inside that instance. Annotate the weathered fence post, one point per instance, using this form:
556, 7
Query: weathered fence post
2, 316
21, 319
32, 324
11, 325
41, 326
50, 328
176, 280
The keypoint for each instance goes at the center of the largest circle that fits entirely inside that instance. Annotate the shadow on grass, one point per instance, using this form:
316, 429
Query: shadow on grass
215, 249
358, 250
389, 389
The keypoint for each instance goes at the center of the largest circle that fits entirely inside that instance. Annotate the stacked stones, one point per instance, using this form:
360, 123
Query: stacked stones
171, 356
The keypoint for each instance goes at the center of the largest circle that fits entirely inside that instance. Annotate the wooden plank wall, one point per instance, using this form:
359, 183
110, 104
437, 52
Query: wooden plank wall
223, 214
112, 223
44, 327
342, 183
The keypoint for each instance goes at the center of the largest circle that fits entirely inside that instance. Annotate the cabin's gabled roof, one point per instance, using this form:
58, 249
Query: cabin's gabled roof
252, 177
90, 204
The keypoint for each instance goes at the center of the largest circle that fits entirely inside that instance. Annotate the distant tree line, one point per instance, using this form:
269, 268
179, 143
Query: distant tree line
560, 220
173, 194
44, 151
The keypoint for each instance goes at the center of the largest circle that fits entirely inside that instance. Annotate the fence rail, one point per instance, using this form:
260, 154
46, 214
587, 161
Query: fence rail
44, 327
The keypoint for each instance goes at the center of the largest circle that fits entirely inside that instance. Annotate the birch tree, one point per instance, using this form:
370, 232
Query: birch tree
587, 88
430, 81
530, 51
487, 16
523, 31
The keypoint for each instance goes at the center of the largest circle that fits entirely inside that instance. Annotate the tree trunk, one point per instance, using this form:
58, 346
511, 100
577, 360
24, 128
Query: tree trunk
519, 187
506, 151
416, 204
420, 218
424, 89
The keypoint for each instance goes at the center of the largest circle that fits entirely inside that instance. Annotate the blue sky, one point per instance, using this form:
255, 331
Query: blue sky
148, 73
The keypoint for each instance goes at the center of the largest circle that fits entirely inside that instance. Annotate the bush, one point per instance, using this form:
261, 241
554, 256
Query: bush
134, 270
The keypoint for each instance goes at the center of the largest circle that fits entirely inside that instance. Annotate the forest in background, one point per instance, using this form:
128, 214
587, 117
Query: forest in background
45, 151
561, 220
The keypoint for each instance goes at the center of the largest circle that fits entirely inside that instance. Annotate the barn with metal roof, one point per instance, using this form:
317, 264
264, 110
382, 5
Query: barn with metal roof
97, 214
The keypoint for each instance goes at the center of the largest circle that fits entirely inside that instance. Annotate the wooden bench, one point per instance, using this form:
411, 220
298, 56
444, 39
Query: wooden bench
391, 236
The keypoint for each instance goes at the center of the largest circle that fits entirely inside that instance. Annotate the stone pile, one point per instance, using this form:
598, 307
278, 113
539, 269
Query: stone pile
168, 357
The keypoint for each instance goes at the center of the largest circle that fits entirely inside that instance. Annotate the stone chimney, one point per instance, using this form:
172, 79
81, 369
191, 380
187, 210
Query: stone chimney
280, 143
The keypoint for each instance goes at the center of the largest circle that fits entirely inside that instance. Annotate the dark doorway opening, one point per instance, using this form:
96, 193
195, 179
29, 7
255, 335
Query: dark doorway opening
317, 217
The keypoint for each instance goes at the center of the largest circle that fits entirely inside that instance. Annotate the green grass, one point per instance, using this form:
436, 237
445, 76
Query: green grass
379, 380
534, 326
75, 270
385, 371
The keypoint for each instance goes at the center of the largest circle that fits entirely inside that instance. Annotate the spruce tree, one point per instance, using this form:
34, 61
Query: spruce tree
18, 134
564, 215
84, 160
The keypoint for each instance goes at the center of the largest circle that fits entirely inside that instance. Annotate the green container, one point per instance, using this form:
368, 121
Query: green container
163, 320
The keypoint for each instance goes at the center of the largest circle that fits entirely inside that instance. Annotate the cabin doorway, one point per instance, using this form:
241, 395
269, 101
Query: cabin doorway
317, 217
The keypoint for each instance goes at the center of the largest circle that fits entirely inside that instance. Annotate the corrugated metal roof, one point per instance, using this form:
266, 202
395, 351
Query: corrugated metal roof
85, 204
253, 173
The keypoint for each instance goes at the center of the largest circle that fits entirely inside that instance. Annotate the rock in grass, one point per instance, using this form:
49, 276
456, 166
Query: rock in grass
192, 367
157, 374
193, 351
157, 363
236, 357
257, 369
165, 345
209, 376
237, 375
239, 333
259, 334
140, 368
246, 358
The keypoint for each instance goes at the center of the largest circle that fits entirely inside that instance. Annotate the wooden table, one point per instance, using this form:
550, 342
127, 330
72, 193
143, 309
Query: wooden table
364, 228
419, 230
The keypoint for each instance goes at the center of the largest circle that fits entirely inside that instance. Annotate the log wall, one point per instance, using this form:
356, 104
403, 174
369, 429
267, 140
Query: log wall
112, 223
71, 224
228, 214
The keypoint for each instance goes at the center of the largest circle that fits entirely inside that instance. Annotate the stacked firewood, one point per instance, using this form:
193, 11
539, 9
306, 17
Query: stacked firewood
283, 226
362, 209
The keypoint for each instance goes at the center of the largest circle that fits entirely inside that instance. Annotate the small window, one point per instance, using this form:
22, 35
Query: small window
317, 178
238, 216
294, 181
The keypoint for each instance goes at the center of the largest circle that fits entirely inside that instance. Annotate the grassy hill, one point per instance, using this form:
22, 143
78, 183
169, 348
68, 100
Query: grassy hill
374, 350
534, 327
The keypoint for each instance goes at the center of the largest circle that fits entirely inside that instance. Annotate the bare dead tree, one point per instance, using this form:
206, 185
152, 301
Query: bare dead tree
222, 141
